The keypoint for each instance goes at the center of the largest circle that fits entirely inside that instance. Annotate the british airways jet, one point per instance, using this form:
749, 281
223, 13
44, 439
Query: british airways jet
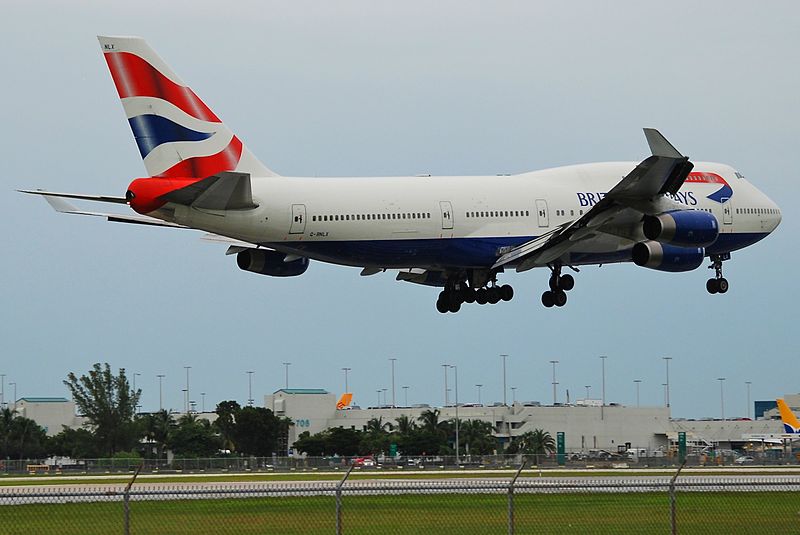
459, 233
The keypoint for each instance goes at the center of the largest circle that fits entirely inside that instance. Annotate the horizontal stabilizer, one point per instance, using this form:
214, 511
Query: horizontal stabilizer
98, 198
223, 191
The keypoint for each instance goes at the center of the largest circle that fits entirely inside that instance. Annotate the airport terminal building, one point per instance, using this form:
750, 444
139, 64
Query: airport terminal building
587, 424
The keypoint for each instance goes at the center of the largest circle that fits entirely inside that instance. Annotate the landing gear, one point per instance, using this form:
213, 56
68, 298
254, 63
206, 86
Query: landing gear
453, 296
718, 284
559, 286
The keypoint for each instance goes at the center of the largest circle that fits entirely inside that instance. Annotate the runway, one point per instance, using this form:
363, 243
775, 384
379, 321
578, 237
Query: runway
70, 493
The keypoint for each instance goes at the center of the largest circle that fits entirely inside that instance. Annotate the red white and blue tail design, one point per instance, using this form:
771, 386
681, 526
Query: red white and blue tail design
177, 134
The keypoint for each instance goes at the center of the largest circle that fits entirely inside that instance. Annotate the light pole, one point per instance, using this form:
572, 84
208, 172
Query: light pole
638, 382
666, 360
160, 395
203, 402
384, 396
286, 367
748, 383
185, 400
603, 403
405, 393
187, 388
455, 370
346, 385
2, 390
250, 387
513, 395
446, 400
554, 362
379, 397
665, 393
14, 384
392, 359
587, 387
504, 357
721, 397
479, 393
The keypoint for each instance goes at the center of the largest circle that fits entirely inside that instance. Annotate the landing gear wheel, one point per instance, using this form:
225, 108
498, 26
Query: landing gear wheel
455, 305
566, 282
481, 296
712, 286
547, 299
722, 285
442, 305
493, 295
506, 292
469, 296
560, 298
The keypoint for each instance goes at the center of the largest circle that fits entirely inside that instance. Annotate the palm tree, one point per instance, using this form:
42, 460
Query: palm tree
536, 442
430, 421
377, 425
405, 425
477, 436
158, 428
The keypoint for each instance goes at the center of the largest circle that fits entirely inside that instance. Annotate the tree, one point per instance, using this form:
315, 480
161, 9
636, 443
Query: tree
226, 422
75, 443
157, 429
257, 431
193, 437
536, 442
477, 437
376, 439
109, 404
20, 438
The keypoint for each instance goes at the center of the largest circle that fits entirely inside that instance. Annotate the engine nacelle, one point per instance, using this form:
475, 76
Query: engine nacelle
663, 257
690, 228
270, 263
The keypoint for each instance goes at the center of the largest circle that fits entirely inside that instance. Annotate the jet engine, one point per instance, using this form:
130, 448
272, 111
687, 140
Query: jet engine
690, 228
663, 257
270, 263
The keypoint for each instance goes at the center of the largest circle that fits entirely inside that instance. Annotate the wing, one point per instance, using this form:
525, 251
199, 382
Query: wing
640, 192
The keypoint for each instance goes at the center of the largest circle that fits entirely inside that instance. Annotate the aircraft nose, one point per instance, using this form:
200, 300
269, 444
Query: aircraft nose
775, 214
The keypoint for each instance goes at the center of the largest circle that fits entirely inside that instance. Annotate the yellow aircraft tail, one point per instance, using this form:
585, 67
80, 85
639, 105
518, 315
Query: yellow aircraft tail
790, 422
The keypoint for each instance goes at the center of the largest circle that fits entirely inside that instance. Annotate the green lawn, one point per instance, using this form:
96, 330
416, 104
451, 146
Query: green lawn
709, 512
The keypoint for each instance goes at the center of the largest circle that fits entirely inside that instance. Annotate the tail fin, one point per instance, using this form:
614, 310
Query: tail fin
177, 134
790, 422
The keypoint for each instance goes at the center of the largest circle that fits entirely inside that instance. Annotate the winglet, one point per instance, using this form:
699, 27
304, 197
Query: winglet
659, 145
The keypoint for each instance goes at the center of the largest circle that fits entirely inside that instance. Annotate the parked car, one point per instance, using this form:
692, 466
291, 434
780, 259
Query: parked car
744, 459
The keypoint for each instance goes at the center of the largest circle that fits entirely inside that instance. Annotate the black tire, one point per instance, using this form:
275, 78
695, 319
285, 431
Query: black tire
469, 296
566, 282
493, 296
712, 286
481, 297
506, 292
547, 299
723, 285
560, 298
455, 306
553, 283
442, 306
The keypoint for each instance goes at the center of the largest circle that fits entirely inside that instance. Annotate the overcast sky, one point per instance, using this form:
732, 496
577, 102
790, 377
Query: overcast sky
400, 88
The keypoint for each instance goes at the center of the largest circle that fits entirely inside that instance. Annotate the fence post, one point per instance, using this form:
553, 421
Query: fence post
338, 500
672, 518
126, 501
511, 498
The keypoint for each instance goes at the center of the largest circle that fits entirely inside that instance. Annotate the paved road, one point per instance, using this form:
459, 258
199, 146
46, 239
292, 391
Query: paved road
63, 493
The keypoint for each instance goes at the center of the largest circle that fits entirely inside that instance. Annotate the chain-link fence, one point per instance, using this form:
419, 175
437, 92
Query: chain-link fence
641, 504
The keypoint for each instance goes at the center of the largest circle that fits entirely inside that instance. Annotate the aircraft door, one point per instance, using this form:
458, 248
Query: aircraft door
298, 219
727, 211
541, 213
447, 215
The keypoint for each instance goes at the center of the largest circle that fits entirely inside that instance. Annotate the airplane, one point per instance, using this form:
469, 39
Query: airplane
791, 425
458, 233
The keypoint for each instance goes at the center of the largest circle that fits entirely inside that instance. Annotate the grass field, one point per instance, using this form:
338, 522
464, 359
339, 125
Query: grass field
709, 512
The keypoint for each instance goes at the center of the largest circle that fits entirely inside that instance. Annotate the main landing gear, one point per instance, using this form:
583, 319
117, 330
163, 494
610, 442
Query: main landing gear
559, 286
718, 284
451, 298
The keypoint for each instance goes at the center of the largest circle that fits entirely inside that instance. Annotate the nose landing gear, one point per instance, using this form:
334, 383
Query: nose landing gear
559, 286
718, 284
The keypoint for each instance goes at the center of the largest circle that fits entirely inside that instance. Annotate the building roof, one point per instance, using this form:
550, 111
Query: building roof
302, 391
44, 400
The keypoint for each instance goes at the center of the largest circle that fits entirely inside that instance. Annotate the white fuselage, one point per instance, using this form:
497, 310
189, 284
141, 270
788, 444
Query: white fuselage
463, 221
